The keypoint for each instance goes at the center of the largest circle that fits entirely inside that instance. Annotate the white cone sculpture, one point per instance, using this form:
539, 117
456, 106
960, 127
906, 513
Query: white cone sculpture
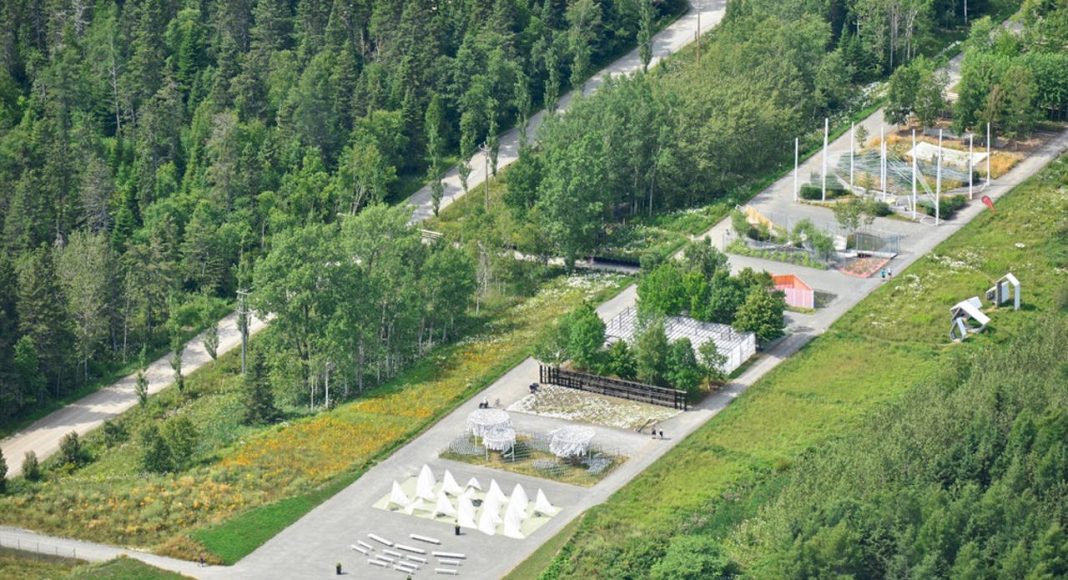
542, 505
519, 500
449, 485
495, 492
486, 523
424, 486
416, 505
473, 484
444, 507
492, 506
466, 513
513, 521
397, 497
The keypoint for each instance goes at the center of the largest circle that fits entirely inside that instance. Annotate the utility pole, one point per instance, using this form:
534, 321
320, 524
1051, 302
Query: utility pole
914, 174
797, 145
882, 159
938, 180
971, 153
988, 154
242, 326
852, 141
826, 131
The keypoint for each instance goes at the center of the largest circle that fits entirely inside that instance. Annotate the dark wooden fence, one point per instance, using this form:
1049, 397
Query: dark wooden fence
613, 387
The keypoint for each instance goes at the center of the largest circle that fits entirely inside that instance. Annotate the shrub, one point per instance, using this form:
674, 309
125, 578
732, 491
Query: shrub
71, 450
880, 208
155, 454
31, 468
949, 206
3, 472
812, 192
114, 434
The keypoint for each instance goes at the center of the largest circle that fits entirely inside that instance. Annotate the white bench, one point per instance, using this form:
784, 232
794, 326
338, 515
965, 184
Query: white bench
452, 555
448, 571
410, 549
380, 539
426, 539
449, 562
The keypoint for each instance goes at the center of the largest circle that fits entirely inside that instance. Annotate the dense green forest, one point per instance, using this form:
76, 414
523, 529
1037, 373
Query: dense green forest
691, 133
963, 478
150, 150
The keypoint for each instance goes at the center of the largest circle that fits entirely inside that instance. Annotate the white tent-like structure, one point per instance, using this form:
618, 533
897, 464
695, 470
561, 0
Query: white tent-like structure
495, 493
466, 513
486, 525
424, 486
473, 484
513, 521
449, 485
542, 505
397, 497
518, 501
444, 506
491, 506
415, 506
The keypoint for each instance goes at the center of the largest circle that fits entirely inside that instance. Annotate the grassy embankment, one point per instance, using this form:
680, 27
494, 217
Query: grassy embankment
23, 566
891, 341
248, 483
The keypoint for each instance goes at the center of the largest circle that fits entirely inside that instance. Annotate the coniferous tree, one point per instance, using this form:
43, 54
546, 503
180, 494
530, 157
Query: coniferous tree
259, 398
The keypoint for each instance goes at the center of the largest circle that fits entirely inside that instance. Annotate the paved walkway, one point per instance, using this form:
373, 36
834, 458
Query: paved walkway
43, 436
311, 546
88, 413
667, 42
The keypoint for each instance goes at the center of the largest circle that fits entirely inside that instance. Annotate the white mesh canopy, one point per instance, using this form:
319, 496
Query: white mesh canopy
571, 441
499, 439
482, 421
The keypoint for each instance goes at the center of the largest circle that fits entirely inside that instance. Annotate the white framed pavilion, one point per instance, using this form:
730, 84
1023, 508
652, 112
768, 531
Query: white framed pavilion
736, 346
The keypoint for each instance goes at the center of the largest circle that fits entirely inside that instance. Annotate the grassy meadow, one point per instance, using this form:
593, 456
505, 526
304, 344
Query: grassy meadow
247, 483
894, 339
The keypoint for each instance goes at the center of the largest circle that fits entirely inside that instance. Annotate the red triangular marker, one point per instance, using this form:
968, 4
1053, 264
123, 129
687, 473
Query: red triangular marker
989, 202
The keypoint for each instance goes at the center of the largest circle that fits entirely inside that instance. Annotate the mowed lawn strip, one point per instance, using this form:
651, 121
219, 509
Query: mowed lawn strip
892, 340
